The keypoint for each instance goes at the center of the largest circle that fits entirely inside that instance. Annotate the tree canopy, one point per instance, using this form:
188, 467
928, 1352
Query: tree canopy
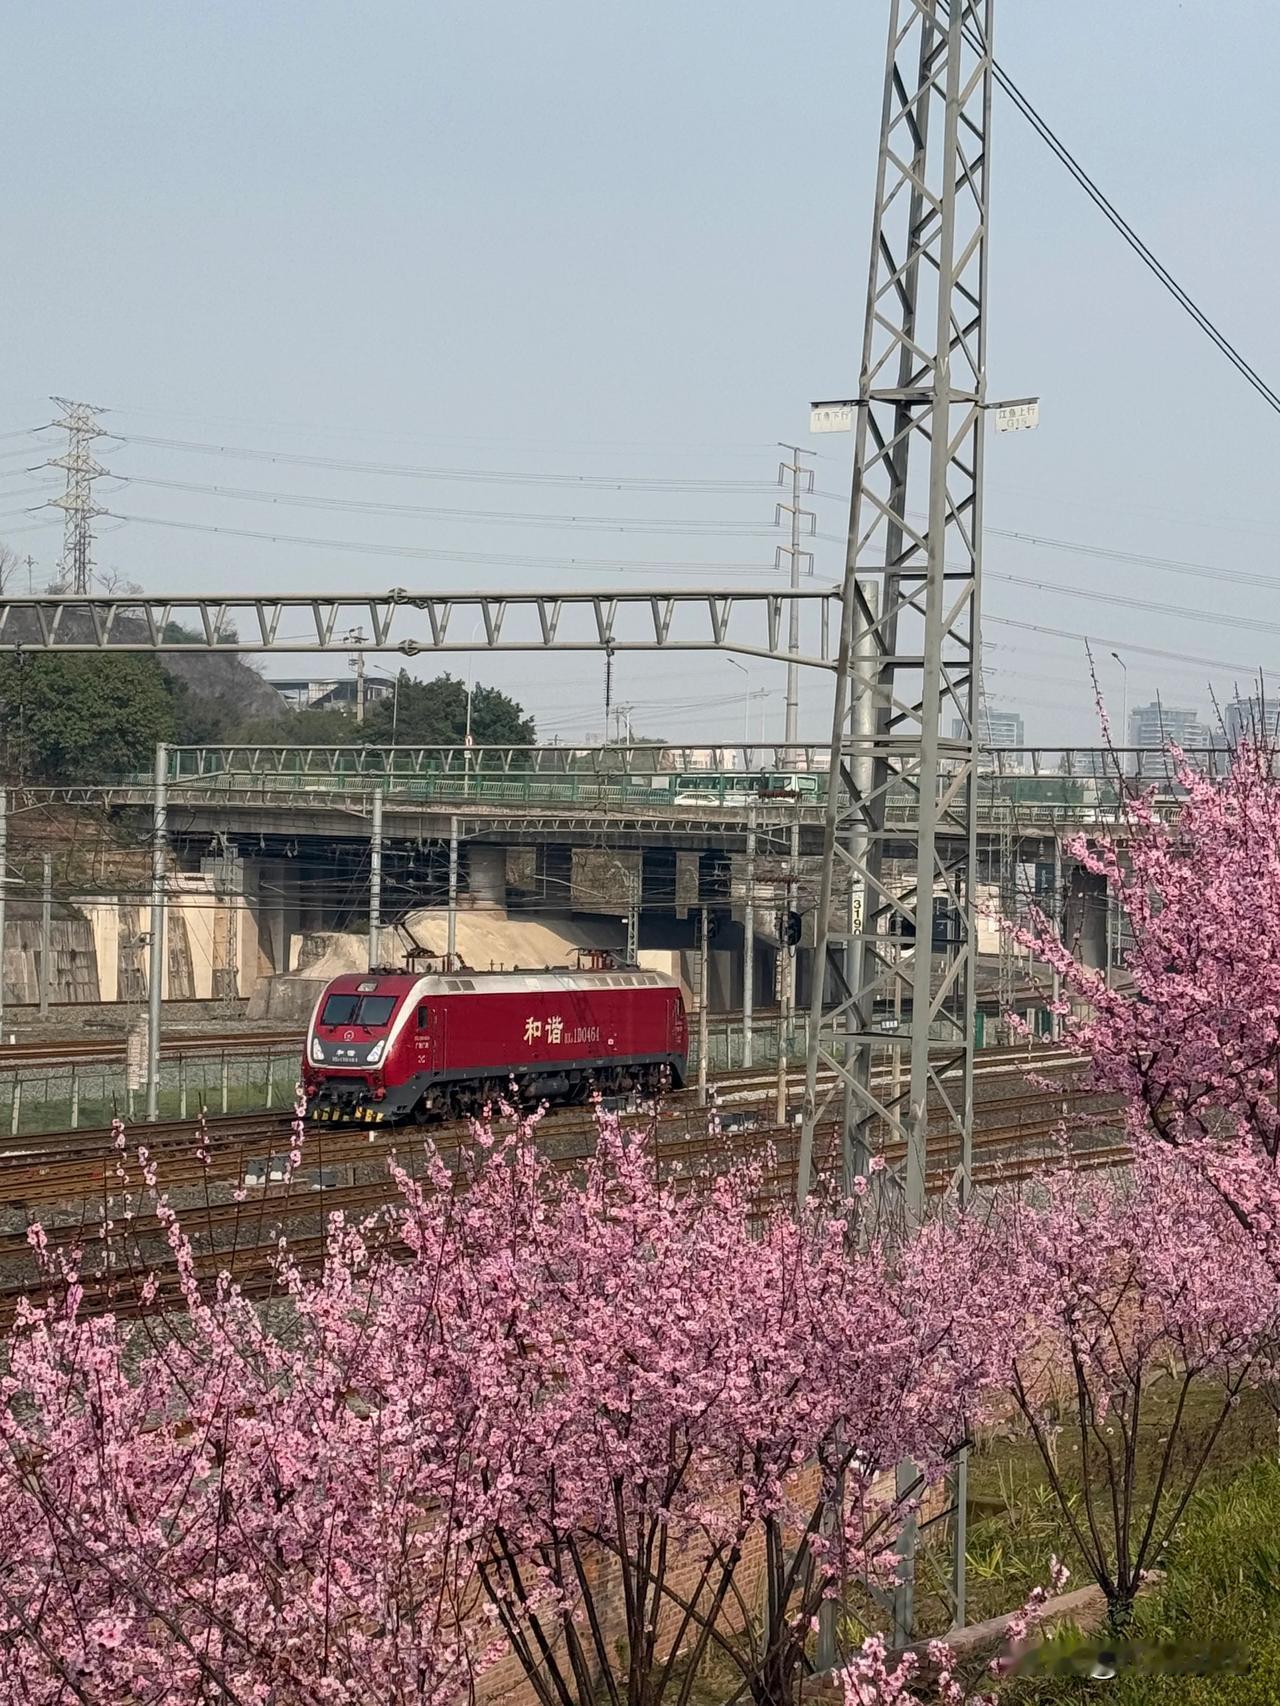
434, 713
79, 717
313, 727
76, 717
426, 713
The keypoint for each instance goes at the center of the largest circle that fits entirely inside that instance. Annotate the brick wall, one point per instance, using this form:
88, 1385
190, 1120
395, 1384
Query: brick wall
506, 1685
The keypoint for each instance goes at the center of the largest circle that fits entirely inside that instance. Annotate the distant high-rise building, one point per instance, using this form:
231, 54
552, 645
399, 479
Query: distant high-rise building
1158, 725
1252, 718
995, 728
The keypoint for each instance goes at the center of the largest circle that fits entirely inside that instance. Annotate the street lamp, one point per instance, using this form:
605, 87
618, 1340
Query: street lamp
1113, 930
1125, 712
746, 710
393, 677
466, 739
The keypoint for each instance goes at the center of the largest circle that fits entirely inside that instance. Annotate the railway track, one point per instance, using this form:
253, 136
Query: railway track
231, 1183
67, 1051
242, 1239
193, 1176
66, 1158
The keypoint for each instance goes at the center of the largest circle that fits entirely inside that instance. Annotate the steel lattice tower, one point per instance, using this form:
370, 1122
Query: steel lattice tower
900, 837
899, 844
80, 421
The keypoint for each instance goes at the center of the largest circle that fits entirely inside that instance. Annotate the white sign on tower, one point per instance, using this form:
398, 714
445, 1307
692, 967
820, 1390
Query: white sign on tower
831, 417
1020, 416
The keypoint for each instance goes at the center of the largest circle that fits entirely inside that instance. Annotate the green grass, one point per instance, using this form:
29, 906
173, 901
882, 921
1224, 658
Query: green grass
1222, 1586
1015, 1525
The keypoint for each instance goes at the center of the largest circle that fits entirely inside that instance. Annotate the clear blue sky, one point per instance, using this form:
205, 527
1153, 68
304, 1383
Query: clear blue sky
595, 237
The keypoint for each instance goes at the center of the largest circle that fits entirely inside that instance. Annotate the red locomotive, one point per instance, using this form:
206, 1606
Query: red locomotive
396, 1046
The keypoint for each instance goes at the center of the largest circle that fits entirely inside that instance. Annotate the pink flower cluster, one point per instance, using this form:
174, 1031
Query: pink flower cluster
234, 1504
552, 1417
1193, 1046
373, 1486
874, 1678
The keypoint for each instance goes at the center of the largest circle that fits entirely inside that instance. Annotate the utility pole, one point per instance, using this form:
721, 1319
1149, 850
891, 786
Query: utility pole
231, 921
704, 980
355, 637
633, 917
46, 933
375, 877
787, 975
451, 957
4, 889
155, 973
1008, 970
915, 530
1055, 1021
801, 482
80, 422
1006, 877
749, 942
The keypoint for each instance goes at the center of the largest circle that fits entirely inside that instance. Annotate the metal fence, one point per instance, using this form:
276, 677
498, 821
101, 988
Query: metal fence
66, 1096
1067, 798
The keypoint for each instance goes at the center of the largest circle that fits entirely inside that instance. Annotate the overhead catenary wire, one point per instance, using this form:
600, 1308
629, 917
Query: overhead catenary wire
367, 547
1106, 553
1112, 553
593, 446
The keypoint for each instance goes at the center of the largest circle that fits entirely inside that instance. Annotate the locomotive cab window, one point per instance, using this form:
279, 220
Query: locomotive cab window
371, 1011
422, 1015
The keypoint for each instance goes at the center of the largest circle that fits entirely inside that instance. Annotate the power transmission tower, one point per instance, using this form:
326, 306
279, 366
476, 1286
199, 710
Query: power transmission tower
801, 482
909, 657
80, 421
909, 645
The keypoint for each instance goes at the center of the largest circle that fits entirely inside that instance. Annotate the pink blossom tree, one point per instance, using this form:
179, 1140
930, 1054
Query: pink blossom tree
500, 1412
211, 1507
1138, 1292
672, 1372
875, 1677
1193, 1046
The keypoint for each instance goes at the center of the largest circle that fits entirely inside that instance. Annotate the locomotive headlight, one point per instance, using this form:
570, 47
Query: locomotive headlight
375, 1053
317, 1053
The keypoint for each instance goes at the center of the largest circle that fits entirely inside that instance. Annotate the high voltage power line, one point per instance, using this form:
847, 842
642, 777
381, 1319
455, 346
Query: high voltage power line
1120, 224
495, 476
426, 553
1246, 669
1219, 617
500, 517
